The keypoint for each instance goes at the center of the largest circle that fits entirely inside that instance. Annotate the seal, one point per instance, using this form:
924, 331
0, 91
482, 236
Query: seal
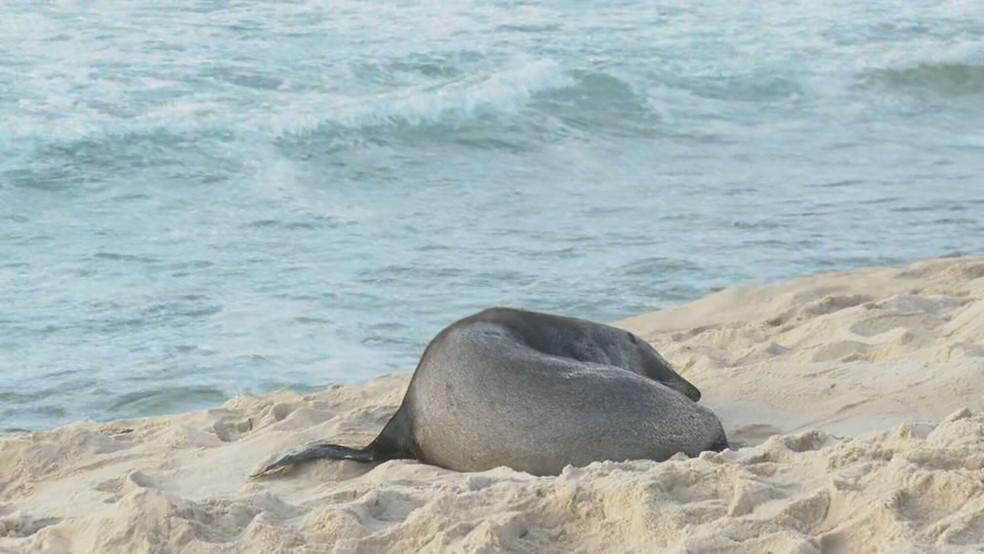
535, 392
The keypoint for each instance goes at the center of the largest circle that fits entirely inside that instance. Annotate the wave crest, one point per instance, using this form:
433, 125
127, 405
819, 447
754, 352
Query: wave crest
954, 71
949, 79
449, 103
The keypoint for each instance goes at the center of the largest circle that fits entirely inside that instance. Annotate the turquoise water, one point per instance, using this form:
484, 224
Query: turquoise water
200, 199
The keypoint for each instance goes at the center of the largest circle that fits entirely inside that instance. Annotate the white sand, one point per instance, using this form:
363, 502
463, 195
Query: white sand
874, 380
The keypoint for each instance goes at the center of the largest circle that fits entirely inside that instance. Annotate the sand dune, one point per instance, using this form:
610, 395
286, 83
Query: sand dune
856, 401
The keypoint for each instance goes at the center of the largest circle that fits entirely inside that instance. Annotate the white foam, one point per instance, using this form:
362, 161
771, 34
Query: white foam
454, 102
926, 52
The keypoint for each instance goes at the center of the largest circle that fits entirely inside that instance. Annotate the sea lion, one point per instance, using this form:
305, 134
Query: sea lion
536, 392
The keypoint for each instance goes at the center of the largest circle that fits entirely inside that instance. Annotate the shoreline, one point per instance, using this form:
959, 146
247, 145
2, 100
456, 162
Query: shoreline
856, 401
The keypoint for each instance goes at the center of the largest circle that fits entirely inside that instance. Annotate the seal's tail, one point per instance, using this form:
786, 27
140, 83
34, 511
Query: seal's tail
318, 451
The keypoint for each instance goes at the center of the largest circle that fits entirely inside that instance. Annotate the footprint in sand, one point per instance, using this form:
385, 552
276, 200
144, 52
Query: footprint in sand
232, 429
875, 326
24, 526
843, 351
752, 434
831, 304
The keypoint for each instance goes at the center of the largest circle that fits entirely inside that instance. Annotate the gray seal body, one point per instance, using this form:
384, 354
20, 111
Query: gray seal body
536, 392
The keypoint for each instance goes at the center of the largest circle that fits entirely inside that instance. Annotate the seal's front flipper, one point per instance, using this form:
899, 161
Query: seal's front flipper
315, 452
721, 444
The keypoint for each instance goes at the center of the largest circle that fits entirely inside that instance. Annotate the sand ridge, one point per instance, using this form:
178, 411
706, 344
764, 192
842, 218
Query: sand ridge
855, 400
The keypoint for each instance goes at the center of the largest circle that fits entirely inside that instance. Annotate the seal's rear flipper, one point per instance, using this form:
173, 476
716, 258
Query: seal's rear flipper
389, 445
318, 451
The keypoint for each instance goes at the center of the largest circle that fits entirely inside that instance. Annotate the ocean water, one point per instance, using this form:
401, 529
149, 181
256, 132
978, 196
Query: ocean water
204, 199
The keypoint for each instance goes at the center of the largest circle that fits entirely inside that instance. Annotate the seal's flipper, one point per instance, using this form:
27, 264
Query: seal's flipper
389, 445
721, 445
318, 451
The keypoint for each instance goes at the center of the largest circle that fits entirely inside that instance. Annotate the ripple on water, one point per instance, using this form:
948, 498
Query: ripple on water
161, 400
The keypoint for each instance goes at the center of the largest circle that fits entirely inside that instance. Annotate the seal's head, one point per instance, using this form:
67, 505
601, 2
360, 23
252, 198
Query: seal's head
660, 370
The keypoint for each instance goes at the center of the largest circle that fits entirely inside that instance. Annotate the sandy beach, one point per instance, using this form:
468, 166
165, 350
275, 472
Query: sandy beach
854, 402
